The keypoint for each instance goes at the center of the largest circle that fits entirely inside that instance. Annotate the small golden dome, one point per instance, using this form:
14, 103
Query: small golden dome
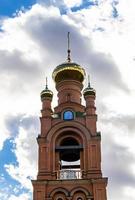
68, 71
89, 91
46, 93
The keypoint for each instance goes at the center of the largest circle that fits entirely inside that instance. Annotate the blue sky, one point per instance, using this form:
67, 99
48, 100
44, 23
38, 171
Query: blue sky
102, 40
8, 8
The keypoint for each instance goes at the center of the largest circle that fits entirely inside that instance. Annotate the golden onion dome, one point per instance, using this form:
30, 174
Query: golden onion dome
68, 71
46, 93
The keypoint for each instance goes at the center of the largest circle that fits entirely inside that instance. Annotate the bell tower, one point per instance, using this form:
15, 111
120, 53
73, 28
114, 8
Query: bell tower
69, 165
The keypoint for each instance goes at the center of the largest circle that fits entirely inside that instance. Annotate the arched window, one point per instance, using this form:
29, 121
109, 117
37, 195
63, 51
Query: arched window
68, 115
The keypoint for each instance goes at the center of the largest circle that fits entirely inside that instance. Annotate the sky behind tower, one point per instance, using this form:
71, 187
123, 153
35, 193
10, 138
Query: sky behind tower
33, 41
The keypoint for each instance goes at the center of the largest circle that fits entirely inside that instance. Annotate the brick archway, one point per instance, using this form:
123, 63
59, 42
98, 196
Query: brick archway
80, 189
59, 193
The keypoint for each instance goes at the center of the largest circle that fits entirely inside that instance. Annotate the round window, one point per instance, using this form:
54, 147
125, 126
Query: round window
68, 115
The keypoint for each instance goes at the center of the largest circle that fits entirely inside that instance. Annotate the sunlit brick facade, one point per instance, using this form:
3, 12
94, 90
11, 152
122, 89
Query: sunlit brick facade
69, 163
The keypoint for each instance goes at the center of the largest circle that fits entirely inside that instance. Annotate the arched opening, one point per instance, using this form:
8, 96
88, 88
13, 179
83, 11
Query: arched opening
59, 196
69, 158
59, 193
79, 196
70, 151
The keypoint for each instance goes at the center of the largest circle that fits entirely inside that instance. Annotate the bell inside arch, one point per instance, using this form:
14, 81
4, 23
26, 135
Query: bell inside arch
70, 150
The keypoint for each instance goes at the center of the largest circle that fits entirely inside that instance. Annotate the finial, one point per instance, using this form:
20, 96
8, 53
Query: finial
69, 51
46, 86
89, 81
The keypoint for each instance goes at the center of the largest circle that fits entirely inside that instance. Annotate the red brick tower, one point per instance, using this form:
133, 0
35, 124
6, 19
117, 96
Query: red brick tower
69, 166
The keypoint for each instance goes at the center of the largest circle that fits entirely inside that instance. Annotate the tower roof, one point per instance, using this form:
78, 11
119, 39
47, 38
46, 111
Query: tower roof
46, 92
68, 70
89, 91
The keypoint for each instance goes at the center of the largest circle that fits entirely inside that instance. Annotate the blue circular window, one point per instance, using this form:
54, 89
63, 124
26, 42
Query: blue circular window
68, 115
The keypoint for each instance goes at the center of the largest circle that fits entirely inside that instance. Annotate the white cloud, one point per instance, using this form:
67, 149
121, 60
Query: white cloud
20, 197
25, 152
73, 3
117, 161
64, 5
4, 132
